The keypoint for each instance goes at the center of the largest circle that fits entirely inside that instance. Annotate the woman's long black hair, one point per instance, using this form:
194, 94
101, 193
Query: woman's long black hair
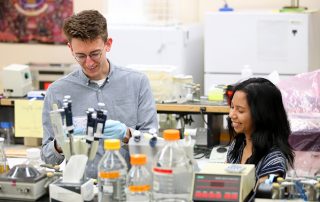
271, 127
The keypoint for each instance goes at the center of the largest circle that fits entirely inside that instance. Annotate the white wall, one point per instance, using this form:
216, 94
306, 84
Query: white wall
191, 10
211, 5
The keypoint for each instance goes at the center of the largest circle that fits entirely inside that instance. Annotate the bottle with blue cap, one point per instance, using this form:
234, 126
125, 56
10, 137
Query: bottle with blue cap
7, 132
226, 7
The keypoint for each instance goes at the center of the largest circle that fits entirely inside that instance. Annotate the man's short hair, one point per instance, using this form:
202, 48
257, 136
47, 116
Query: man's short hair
86, 25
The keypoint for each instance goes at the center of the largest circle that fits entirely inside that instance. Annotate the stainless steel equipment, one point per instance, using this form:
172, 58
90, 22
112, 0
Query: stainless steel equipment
44, 74
291, 189
22, 182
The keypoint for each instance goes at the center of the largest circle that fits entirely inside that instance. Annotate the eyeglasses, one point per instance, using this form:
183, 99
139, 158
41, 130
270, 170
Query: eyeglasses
95, 56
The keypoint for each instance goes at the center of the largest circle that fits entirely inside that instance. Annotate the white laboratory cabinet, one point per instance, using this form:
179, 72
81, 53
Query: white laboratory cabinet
177, 45
288, 43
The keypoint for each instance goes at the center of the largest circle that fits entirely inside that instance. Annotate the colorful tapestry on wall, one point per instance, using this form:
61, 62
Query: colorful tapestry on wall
33, 21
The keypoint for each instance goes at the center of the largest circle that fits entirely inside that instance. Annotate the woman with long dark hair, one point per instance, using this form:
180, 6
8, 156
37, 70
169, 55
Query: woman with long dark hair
260, 128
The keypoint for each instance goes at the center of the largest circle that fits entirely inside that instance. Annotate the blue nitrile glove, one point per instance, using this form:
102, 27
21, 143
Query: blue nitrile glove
79, 131
80, 125
114, 130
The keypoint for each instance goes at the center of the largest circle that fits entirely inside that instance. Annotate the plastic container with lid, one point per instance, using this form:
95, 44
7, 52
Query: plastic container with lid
112, 173
172, 171
182, 83
34, 159
139, 180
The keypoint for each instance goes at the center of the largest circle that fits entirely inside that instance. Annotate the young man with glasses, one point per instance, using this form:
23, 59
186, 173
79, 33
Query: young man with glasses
126, 93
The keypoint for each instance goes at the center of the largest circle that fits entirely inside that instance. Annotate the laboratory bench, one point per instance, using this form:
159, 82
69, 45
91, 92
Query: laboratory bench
213, 112
188, 107
193, 108
7, 101
16, 156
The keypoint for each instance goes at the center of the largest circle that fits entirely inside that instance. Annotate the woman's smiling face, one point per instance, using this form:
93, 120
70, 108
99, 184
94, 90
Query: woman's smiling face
240, 114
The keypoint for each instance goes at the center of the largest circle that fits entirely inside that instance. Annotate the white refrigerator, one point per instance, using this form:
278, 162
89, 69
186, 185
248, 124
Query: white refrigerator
288, 43
177, 45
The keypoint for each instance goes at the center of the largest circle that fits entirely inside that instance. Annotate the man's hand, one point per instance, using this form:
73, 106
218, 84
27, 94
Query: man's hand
114, 130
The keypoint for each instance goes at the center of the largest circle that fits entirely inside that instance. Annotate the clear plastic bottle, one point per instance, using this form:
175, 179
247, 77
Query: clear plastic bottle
91, 169
34, 159
4, 166
112, 173
139, 180
187, 139
172, 171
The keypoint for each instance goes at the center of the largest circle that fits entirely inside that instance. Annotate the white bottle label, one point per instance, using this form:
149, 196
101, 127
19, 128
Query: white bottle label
108, 189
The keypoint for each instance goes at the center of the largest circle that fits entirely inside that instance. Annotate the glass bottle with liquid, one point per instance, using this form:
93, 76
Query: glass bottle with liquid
112, 173
172, 171
4, 166
139, 180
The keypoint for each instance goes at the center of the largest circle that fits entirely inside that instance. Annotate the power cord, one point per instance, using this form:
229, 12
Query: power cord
201, 152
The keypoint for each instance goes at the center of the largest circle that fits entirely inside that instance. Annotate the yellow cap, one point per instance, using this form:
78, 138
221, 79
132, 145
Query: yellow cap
280, 180
171, 134
111, 144
138, 159
50, 174
275, 185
